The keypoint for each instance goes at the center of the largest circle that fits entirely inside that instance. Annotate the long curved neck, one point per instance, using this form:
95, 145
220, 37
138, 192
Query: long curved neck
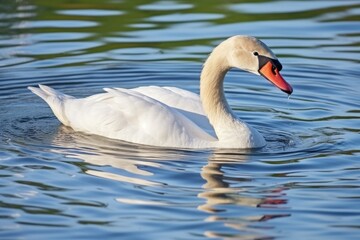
231, 131
212, 92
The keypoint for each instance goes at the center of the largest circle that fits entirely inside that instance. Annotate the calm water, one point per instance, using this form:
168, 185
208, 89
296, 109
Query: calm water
59, 184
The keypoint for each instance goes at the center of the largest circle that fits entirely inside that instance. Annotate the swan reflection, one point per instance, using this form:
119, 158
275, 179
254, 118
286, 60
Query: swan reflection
101, 151
141, 166
217, 192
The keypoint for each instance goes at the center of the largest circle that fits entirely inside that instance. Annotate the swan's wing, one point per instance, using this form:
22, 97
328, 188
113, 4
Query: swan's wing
174, 97
132, 116
186, 102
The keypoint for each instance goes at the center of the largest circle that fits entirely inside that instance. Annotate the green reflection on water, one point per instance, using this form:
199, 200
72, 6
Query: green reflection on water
121, 18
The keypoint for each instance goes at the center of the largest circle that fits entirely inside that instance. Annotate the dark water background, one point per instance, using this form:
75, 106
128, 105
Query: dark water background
56, 183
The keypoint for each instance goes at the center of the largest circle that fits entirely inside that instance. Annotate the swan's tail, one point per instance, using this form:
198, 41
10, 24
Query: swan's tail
54, 99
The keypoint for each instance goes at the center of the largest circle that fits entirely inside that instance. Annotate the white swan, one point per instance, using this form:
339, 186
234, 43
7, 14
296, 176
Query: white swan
172, 117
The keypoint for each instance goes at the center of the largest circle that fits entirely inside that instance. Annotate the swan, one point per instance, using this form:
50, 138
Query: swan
173, 117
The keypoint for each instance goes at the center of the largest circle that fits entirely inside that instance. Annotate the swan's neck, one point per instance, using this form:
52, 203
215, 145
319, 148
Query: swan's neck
228, 128
212, 88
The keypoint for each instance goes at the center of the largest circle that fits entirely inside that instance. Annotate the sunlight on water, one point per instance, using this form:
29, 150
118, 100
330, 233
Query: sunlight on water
58, 183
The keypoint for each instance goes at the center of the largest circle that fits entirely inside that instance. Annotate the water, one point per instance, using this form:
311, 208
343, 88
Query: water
56, 183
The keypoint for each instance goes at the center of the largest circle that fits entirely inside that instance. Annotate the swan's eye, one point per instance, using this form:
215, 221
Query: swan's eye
256, 53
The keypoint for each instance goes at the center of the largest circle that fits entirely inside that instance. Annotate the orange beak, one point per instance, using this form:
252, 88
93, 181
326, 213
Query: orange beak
272, 74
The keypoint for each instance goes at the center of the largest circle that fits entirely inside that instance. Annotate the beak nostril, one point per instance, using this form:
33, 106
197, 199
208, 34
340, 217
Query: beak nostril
273, 70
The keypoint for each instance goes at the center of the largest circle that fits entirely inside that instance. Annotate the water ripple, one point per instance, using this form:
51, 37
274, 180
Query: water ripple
56, 182
54, 24
90, 12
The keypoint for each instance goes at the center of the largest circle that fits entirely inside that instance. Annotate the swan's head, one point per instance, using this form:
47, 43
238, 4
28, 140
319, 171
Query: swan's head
252, 55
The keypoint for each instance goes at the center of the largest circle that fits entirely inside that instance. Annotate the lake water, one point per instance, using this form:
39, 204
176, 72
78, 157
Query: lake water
59, 184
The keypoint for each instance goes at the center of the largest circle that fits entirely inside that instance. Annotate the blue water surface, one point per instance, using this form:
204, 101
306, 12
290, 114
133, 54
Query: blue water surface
60, 184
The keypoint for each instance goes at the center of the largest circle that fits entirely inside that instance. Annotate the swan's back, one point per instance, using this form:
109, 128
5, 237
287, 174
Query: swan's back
186, 102
133, 115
